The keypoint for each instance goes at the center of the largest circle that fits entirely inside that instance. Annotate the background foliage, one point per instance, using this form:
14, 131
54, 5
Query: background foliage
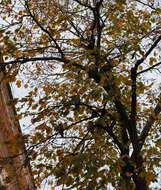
94, 105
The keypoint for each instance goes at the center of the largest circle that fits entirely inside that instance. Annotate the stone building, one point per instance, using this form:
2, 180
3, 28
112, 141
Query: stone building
15, 173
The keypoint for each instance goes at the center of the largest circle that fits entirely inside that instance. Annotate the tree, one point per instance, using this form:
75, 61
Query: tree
95, 108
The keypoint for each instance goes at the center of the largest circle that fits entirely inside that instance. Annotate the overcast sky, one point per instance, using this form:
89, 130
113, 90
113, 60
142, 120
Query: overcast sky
21, 92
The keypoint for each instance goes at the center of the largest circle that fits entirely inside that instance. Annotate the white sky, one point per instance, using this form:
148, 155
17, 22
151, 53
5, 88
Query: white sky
21, 92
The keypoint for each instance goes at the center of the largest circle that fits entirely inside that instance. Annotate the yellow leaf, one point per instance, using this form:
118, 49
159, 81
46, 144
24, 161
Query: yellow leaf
18, 116
50, 182
18, 83
76, 41
128, 174
140, 68
35, 27
150, 177
43, 37
26, 86
34, 107
152, 60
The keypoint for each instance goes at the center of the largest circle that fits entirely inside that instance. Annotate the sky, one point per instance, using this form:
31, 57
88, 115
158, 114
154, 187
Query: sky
21, 92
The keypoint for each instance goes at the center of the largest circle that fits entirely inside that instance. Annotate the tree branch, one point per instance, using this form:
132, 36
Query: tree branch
147, 127
127, 124
44, 30
25, 60
133, 106
148, 5
140, 61
149, 123
134, 97
83, 4
108, 129
150, 68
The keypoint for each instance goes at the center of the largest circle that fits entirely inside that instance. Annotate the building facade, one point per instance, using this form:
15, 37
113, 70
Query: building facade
15, 171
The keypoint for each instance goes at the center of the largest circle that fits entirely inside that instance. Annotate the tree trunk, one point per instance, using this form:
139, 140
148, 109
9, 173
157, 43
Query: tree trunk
126, 182
140, 183
14, 168
133, 175
140, 178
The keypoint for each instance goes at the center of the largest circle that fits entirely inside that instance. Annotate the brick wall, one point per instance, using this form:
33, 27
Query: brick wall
14, 172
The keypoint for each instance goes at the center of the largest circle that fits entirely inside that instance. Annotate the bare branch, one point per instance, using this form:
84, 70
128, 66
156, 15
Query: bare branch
84, 4
148, 5
149, 69
140, 61
26, 60
150, 122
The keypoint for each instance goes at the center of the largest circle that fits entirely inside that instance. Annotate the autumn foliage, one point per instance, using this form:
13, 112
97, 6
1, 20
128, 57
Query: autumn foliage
95, 100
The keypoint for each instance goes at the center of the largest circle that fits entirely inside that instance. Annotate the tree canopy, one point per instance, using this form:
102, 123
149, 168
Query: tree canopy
95, 100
